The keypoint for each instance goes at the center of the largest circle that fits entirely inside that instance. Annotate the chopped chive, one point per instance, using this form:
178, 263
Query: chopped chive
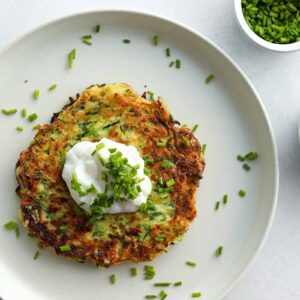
133, 272
170, 182
36, 94
87, 42
32, 117
162, 284
37, 126
23, 113
251, 155
225, 199
171, 64
71, 57
196, 295
11, 225
19, 128
168, 52
155, 40
17, 231
151, 95
64, 248
219, 251
240, 158
178, 283
195, 128
150, 296
246, 167
191, 263
9, 111
126, 41
36, 255
98, 147
163, 295
178, 63
209, 78
160, 181
52, 87
167, 164
149, 272
87, 37
217, 205
97, 28
113, 279
242, 193
203, 149
161, 144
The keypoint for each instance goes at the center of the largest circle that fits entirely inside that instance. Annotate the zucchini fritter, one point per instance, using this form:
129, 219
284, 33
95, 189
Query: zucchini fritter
116, 112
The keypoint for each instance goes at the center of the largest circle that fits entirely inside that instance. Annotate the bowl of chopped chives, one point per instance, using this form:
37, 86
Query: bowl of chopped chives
272, 24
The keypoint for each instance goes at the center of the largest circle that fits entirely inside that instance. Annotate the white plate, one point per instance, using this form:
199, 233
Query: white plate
232, 121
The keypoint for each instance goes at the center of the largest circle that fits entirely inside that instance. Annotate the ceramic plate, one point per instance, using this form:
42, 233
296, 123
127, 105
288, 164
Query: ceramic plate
231, 118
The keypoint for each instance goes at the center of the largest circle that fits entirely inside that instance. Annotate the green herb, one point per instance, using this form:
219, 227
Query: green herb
36, 255
37, 126
112, 124
23, 113
87, 42
203, 149
151, 95
217, 205
195, 128
162, 284
163, 295
9, 111
17, 232
71, 57
52, 87
242, 193
32, 117
178, 64
11, 225
113, 279
219, 251
143, 207
171, 64
251, 156
196, 295
275, 21
19, 128
126, 41
240, 158
150, 296
161, 144
155, 40
36, 94
98, 147
170, 182
191, 263
168, 52
167, 164
246, 167
97, 28
225, 199
133, 272
87, 37
178, 283
65, 248
209, 78
160, 238
149, 272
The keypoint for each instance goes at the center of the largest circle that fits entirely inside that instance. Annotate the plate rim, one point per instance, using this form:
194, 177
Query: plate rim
220, 51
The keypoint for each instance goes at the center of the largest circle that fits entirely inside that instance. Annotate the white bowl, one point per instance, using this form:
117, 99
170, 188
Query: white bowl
257, 39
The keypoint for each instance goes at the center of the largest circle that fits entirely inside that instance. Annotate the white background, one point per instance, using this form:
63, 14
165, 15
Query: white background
276, 272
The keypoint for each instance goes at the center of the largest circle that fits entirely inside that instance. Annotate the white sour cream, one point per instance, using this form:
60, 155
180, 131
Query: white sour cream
88, 169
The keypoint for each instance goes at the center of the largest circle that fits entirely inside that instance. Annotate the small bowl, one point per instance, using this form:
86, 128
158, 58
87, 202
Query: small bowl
256, 39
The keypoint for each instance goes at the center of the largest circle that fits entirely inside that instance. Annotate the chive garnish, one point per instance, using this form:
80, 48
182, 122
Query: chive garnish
161, 144
163, 295
242, 193
196, 295
178, 63
168, 52
37, 126
149, 272
97, 28
178, 283
171, 64
209, 78
113, 279
36, 255
87, 37
151, 95
240, 158
52, 87
251, 155
71, 57
150, 296
64, 248
219, 251
17, 231
195, 128
167, 164
87, 42
36, 94
32, 117
126, 41
246, 167
162, 284
225, 199
98, 147
170, 182
217, 205
10, 225
133, 272
23, 113
19, 128
203, 149
9, 112
155, 40
191, 263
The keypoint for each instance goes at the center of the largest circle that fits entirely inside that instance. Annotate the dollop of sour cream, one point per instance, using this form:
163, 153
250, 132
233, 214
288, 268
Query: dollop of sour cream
82, 160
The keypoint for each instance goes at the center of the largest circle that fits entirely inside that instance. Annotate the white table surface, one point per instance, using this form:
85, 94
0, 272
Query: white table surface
276, 272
